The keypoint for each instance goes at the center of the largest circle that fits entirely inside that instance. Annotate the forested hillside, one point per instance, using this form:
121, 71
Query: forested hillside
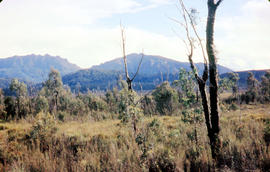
243, 75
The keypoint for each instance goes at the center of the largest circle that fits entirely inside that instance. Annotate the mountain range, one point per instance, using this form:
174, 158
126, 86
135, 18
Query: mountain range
34, 68
154, 70
151, 65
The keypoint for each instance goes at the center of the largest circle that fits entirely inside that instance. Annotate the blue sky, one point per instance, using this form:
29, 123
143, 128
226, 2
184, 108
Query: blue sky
86, 32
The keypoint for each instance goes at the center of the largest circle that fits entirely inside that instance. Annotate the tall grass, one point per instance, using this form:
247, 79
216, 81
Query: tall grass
161, 144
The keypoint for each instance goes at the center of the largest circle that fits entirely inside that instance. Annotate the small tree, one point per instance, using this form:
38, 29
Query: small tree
20, 90
52, 89
252, 88
166, 99
187, 86
234, 78
3, 112
265, 86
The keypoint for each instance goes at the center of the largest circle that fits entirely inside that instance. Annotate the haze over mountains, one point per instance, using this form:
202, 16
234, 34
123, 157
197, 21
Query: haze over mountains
153, 71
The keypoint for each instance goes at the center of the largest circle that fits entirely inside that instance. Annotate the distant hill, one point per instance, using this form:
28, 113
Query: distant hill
92, 79
154, 70
33, 68
244, 74
152, 65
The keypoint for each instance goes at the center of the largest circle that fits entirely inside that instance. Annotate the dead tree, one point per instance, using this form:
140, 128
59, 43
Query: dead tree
128, 79
210, 71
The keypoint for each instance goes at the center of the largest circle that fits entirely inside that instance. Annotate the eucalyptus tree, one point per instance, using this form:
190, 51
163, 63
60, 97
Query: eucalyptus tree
265, 86
20, 90
252, 88
211, 109
52, 88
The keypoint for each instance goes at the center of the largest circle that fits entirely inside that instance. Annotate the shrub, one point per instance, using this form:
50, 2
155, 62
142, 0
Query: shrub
148, 105
166, 99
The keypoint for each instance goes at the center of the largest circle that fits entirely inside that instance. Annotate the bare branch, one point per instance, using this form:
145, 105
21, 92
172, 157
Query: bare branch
193, 67
196, 33
124, 51
175, 20
190, 55
187, 32
217, 4
138, 67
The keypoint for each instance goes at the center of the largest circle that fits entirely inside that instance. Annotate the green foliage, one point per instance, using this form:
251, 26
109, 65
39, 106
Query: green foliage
10, 108
148, 105
166, 99
233, 106
61, 116
53, 89
130, 112
265, 87
3, 112
20, 90
44, 126
41, 104
112, 99
93, 103
251, 94
187, 86
230, 82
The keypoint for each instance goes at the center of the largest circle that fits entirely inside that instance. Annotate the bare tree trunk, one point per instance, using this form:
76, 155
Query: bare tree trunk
129, 83
213, 87
128, 80
210, 71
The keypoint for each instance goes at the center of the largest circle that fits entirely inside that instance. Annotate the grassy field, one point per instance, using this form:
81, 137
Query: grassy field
162, 143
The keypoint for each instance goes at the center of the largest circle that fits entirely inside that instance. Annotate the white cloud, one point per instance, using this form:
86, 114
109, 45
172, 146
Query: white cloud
244, 43
85, 46
69, 29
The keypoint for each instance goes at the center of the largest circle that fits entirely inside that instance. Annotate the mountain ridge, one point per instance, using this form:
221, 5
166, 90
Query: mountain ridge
153, 71
34, 68
152, 64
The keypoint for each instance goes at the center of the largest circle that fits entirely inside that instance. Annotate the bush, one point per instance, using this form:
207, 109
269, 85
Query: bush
43, 127
148, 105
166, 99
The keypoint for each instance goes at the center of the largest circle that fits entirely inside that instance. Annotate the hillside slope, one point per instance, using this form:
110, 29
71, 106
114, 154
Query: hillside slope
154, 70
34, 68
152, 65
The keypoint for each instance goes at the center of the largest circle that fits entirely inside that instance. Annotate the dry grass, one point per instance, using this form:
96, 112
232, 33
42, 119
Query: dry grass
248, 112
110, 127
109, 146
88, 129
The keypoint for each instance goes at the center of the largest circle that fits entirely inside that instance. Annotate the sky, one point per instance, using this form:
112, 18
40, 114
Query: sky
87, 32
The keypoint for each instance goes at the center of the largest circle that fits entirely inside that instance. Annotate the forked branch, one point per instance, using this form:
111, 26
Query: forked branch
139, 66
128, 80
